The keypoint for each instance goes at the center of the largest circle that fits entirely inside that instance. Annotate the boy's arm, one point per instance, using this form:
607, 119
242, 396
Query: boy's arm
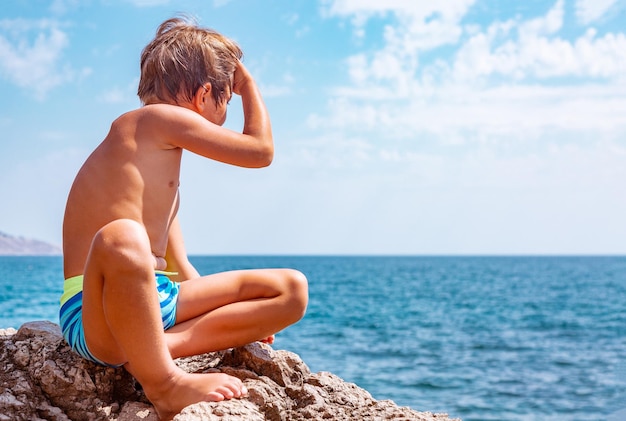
185, 127
176, 255
256, 118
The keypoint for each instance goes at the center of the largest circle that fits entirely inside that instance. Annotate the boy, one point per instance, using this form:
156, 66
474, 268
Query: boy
131, 298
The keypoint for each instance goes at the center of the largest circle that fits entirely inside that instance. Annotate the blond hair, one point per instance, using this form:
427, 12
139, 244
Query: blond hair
182, 57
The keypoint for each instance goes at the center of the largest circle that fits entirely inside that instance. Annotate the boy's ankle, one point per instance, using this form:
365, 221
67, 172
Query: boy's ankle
160, 381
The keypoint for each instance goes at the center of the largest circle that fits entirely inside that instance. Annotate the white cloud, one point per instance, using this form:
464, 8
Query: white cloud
497, 82
514, 130
588, 11
148, 3
422, 25
220, 3
281, 89
512, 49
453, 114
421, 9
117, 95
291, 18
549, 24
30, 54
533, 54
61, 7
274, 91
114, 96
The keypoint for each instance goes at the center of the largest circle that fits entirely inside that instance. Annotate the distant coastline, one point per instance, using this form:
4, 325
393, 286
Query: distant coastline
20, 246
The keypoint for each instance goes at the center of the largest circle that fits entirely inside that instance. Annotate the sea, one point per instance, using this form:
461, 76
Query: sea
477, 337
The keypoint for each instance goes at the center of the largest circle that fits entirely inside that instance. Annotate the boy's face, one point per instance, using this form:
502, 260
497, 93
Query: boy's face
216, 112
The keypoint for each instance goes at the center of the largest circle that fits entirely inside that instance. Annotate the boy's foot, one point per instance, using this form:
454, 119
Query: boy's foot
188, 389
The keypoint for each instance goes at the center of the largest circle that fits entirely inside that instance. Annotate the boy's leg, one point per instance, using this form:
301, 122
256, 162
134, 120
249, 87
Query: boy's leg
122, 322
235, 308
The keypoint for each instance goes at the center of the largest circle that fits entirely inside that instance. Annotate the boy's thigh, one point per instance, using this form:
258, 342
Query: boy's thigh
104, 265
202, 295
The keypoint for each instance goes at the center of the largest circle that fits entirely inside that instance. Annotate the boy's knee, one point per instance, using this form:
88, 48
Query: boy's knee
122, 239
298, 287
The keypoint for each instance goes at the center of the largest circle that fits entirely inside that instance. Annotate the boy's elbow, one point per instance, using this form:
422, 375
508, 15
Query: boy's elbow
265, 156
260, 153
269, 156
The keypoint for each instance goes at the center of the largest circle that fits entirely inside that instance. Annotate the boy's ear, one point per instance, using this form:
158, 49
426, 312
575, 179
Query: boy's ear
202, 96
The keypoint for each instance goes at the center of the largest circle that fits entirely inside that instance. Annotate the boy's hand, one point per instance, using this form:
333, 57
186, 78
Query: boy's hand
240, 78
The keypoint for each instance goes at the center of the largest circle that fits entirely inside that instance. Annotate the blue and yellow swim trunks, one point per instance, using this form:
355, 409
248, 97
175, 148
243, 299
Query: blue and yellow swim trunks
71, 312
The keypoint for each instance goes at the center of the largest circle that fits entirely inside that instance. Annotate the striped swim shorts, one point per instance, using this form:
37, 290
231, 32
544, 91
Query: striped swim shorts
71, 312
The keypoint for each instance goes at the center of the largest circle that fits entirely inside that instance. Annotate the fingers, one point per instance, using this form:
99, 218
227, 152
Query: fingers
240, 78
269, 340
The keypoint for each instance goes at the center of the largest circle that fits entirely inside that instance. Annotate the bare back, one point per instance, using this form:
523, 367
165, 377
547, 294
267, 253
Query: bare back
132, 174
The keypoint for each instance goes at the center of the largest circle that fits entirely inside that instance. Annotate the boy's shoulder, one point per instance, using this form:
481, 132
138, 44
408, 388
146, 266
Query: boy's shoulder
151, 112
158, 123
148, 109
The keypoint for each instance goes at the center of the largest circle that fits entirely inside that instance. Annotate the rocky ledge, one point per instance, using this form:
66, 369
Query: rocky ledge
41, 379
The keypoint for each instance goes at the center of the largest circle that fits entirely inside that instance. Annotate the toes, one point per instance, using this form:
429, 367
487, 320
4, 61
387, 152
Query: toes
215, 397
227, 392
232, 388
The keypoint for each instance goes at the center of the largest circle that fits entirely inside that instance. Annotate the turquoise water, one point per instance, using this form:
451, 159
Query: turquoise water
481, 338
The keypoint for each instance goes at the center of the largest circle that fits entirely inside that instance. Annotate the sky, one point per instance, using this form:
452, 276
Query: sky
455, 127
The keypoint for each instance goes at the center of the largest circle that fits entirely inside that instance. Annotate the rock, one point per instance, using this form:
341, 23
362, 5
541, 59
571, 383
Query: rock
42, 379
